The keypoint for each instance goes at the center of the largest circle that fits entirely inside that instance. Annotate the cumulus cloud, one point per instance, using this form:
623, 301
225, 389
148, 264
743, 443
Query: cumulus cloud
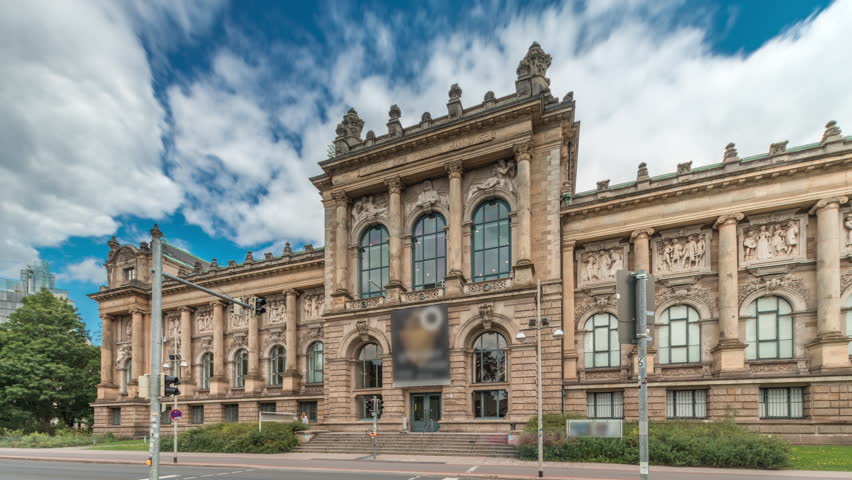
89, 270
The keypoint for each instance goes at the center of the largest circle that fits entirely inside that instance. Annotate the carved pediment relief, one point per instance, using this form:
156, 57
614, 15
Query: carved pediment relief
312, 334
597, 263
846, 241
203, 319
595, 303
125, 333
773, 237
500, 176
369, 207
682, 251
273, 338
427, 195
773, 284
237, 341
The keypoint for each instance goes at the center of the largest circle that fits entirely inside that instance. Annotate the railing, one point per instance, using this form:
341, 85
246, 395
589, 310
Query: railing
430, 425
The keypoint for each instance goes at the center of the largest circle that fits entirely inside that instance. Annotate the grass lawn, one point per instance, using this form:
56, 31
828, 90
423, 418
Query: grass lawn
821, 457
130, 445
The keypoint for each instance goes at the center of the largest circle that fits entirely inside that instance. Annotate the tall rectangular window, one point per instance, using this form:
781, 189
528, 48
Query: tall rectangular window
686, 404
232, 413
310, 409
782, 402
267, 407
197, 414
116, 416
605, 404
130, 273
490, 403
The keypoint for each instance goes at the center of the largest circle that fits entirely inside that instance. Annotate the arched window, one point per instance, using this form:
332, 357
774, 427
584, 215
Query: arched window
847, 312
489, 358
492, 241
374, 261
601, 341
240, 368
430, 251
206, 370
680, 335
368, 372
769, 329
315, 354
128, 373
277, 363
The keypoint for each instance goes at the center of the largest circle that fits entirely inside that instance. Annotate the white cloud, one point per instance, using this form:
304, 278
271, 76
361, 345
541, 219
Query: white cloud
89, 270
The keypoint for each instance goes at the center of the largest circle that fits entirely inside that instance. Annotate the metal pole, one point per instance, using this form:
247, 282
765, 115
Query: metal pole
156, 350
205, 290
538, 361
642, 333
175, 367
375, 425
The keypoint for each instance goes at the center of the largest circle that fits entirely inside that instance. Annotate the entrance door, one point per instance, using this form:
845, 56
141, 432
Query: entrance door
425, 412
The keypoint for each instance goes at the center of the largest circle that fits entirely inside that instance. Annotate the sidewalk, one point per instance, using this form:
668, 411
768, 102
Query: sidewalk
469, 467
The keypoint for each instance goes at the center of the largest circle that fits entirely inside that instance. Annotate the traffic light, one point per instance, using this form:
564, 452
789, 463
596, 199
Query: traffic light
169, 386
378, 404
259, 305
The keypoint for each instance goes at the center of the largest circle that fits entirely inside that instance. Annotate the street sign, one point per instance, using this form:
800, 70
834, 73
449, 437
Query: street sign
625, 286
595, 428
175, 414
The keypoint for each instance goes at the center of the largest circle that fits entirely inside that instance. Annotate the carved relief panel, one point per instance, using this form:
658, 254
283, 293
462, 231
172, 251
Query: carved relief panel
125, 328
369, 207
276, 311
313, 306
427, 195
771, 238
203, 319
499, 176
237, 320
681, 250
846, 232
172, 324
598, 262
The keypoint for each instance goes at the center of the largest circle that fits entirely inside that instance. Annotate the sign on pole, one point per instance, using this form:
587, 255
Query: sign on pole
625, 287
175, 414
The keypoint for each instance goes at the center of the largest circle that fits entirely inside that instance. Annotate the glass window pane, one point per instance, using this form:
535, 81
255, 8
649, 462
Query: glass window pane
765, 304
429, 249
678, 333
784, 306
418, 249
694, 334
477, 237
785, 328
491, 262
440, 269
490, 212
785, 348
664, 355
601, 339
615, 357
751, 330
385, 255
767, 350
678, 311
477, 264
767, 328
678, 355
602, 359
490, 235
441, 240
503, 229
694, 353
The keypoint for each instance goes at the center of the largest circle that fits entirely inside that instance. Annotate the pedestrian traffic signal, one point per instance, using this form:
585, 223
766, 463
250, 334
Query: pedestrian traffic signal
259, 305
169, 386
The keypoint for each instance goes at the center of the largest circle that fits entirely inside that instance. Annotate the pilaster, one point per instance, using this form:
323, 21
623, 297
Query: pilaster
569, 347
138, 349
729, 353
218, 382
187, 384
454, 280
395, 221
292, 377
341, 264
107, 389
523, 267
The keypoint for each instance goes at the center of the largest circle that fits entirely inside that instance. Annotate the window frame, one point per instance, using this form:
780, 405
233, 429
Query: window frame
590, 332
313, 371
479, 354
440, 237
362, 371
477, 230
241, 367
753, 324
764, 406
311, 408
196, 413
115, 415
369, 290
263, 407
206, 370
129, 273
230, 410
697, 400
614, 406
502, 399
277, 365
665, 340
846, 311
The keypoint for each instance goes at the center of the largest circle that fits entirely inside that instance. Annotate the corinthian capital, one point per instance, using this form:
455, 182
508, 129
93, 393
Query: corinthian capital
394, 184
454, 169
342, 198
728, 219
831, 202
523, 151
641, 233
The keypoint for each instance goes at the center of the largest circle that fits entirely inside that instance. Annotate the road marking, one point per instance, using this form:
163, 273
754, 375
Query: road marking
165, 476
471, 469
451, 478
189, 478
207, 475
415, 478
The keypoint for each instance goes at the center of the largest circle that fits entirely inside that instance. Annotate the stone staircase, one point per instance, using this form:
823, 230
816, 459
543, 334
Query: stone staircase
438, 444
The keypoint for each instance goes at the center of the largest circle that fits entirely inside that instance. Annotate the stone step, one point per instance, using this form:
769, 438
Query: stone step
442, 444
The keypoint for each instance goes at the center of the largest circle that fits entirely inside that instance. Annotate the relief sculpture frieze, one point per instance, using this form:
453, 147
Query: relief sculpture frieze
682, 251
772, 238
598, 263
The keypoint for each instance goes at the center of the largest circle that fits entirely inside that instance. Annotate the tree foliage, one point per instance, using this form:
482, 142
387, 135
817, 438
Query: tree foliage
48, 369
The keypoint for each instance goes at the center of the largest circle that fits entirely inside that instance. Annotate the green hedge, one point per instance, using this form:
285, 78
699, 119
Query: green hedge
237, 438
684, 444
60, 438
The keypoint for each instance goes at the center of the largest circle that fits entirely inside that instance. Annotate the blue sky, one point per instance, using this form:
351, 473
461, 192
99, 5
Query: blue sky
208, 117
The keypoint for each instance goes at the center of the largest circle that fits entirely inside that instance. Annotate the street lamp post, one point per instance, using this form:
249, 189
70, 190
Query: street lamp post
538, 323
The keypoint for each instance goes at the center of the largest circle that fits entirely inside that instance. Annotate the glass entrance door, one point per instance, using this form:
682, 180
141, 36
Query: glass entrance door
425, 412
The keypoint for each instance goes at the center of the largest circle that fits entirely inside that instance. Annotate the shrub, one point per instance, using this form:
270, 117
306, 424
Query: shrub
551, 422
685, 444
237, 438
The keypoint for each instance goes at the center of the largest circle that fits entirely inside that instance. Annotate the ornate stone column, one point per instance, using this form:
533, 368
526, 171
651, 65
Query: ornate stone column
341, 250
218, 381
641, 249
292, 378
146, 342
455, 277
138, 347
569, 347
254, 380
395, 221
187, 385
106, 388
523, 265
829, 351
729, 353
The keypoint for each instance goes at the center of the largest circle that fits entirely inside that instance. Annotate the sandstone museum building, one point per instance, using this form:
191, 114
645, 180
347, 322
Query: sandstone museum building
460, 216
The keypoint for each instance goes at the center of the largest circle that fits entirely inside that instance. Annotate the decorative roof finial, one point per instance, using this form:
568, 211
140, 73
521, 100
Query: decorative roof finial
455, 91
454, 106
832, 133
642, 172
287, 249
155, 232
249, 257
214, 264
348, 132
113, 244
394, 125
731, 154
531, 73
603, 185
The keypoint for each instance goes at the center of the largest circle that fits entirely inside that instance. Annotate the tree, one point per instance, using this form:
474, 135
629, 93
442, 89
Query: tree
48, 369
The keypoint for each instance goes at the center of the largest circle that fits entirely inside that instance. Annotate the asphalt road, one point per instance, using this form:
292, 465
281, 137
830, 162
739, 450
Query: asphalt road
41, 470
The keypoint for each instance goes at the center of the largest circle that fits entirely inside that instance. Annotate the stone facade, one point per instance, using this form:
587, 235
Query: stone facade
724, 242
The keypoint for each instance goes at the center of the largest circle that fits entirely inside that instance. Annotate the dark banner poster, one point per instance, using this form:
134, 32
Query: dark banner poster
421, 354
